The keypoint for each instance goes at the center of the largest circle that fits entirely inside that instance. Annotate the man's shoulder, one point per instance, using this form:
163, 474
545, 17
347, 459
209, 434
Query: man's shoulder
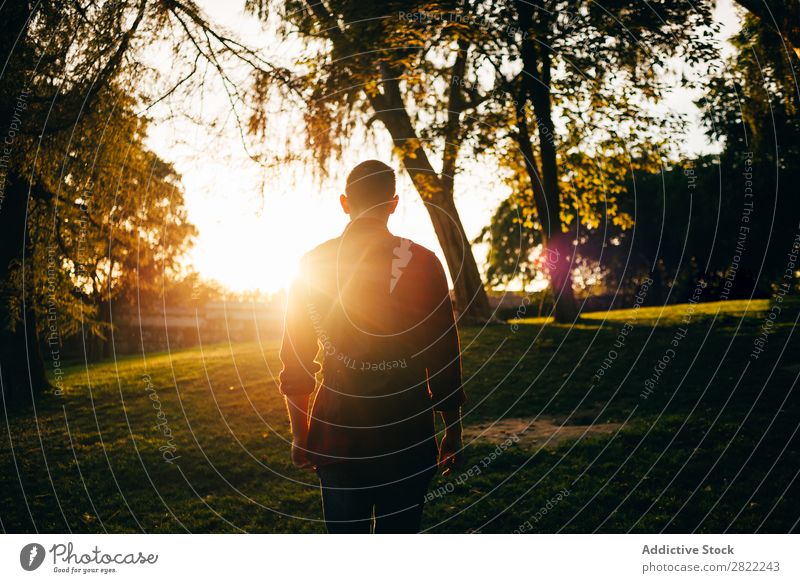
402, 248
420, 263
321, 251
420, 252
426, 259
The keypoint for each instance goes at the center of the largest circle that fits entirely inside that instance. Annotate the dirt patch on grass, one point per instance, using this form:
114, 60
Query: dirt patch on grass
543, 432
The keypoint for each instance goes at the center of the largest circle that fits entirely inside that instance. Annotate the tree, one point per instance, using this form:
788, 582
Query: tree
752, 107
782, 16
728, 219
597, 66
368, 62
74, 170
140, 240
512, 243
576, 81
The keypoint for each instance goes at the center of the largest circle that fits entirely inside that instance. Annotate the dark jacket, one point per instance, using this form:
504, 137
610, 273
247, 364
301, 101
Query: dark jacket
377, 310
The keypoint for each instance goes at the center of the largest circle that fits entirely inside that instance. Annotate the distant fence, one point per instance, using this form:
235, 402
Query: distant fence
175, 328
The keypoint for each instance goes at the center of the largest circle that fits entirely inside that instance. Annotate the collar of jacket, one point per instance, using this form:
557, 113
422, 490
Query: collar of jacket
365, 225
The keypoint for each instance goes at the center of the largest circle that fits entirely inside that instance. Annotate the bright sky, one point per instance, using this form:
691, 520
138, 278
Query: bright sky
249, 239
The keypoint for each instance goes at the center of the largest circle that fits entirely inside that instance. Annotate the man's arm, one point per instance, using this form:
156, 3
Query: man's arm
452, 447
444, 368
298, 419
297, 378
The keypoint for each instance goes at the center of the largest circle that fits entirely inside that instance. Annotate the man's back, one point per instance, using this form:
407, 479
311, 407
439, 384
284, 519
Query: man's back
377, 310
380, 309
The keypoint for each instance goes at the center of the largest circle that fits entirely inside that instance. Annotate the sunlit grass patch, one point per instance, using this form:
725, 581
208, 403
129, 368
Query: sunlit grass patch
675, 314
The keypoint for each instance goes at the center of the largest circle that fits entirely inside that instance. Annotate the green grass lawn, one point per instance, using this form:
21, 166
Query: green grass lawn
709, 445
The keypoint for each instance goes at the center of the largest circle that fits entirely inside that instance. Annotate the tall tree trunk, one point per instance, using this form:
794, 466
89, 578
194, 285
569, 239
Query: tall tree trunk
471, 301
559, 250
103, 345
783, 16
21, 364
22, 370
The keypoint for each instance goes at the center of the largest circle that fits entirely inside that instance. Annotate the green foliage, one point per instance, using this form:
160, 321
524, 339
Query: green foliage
374, 45
608, 65
603, 69
110, 222
689, 213
512, 238
90, 214
753, 103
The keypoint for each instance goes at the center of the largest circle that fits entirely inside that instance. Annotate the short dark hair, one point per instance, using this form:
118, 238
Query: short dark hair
370, 183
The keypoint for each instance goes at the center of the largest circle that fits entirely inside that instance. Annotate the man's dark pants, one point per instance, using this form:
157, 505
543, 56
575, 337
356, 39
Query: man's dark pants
358, 504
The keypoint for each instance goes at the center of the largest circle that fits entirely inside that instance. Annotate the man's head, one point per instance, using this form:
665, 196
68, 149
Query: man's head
370, 191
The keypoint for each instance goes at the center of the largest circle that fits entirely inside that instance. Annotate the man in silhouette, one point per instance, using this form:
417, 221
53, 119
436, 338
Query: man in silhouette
372, 311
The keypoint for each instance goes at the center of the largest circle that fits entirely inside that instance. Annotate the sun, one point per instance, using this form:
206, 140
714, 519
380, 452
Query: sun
246, 248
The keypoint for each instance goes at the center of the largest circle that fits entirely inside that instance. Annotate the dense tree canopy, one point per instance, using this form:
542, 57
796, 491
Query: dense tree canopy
727, 220
86, 211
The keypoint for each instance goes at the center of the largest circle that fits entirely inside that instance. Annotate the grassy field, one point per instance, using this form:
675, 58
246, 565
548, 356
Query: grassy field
705, 441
